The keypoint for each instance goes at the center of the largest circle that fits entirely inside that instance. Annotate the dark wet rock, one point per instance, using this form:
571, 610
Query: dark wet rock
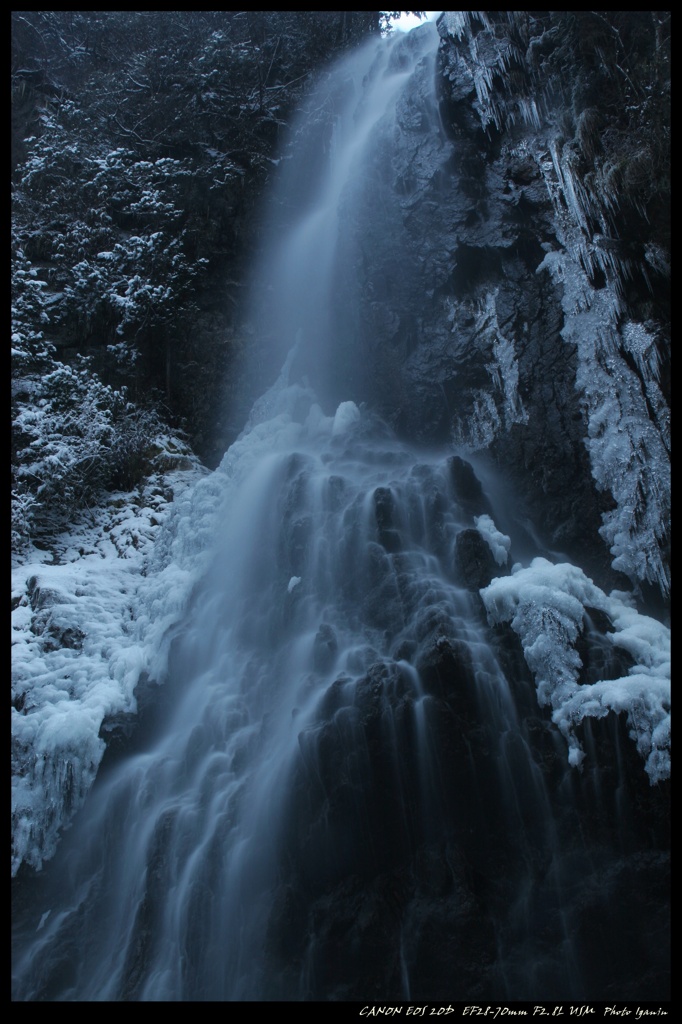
623, 908
42, 596
433, 620
405, 650
381, 605
446, 670
459, 334
125, 731
382, 687
600, 658
325, 648
53, 626
334, 697
435, 508
384, 507
384, 512
466, 485
117, 731
474, 562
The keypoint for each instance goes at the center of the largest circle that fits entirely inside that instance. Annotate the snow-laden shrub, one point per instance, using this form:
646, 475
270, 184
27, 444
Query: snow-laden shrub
140, 281
30, 351
75, 438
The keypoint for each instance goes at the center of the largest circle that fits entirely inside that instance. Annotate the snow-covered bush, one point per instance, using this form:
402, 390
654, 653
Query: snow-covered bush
30, 351
72, 435
76, 437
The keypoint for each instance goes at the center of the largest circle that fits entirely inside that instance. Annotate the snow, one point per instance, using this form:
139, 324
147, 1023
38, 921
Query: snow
87, 624
102, 595
545, 605
477, 431
347, 415
618, 360
486, 421
628, 419
628, 451
118, 584
641, 344
498, 542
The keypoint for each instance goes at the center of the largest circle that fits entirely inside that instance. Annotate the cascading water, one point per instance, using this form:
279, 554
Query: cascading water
344, 798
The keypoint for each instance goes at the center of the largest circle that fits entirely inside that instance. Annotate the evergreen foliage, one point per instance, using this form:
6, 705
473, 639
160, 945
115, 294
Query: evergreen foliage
141, 141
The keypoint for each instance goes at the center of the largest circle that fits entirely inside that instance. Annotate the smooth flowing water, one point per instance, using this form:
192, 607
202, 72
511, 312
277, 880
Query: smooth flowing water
295, 668
339, 746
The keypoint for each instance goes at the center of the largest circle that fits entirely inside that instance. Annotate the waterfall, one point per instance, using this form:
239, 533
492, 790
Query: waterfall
349, 791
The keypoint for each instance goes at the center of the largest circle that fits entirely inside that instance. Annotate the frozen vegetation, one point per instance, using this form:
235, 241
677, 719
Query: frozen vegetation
627, 450
546, 605
87, 621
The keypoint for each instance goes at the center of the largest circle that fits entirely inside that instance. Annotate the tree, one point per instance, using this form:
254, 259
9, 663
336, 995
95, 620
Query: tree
142, 141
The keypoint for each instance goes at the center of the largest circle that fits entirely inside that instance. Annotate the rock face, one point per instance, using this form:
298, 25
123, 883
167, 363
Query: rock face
504, 306
514, 297
383, 885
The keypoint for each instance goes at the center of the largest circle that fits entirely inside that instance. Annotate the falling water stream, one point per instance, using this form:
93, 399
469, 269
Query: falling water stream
321, 803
